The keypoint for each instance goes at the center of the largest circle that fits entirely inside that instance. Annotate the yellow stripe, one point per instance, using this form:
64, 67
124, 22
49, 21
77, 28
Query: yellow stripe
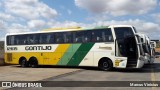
59, 52
51, 29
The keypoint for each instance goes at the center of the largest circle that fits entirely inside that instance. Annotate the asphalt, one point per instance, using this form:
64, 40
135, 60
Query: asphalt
147, 73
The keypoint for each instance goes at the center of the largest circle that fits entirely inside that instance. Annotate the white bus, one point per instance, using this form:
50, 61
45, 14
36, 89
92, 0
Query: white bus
148, 48
105, 47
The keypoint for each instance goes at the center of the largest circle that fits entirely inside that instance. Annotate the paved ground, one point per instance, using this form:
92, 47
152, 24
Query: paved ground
148, 73
17, 73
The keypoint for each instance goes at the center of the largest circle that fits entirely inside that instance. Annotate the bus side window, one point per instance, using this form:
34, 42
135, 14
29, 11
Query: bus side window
33, 39
59, 38
51, 40
102, 35
78, 37
46, 38
67, 37
107, 35
96, 36
87, 36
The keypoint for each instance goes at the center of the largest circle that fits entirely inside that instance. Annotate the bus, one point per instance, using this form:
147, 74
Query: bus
153, 51
148, 49
106, 47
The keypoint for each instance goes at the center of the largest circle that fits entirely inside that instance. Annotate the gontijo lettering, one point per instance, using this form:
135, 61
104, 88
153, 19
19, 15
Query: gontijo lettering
38, 48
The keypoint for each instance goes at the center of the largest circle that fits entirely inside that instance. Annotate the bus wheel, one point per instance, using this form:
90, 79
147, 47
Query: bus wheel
33, 62
24, 63
105, 64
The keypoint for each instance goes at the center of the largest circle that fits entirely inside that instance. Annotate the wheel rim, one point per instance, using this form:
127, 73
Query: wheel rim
105, 65
23, 62
34, 64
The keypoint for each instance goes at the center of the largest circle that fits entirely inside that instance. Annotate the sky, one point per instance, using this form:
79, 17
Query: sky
35, 15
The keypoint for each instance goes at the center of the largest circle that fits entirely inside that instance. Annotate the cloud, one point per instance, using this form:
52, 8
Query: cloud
24, 15
6, 17
117, 7
2, 25
99, 17
16, 28
36, 24
156, 16
29, 9
56, 24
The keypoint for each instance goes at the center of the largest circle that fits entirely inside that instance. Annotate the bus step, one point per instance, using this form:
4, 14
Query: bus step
132, 65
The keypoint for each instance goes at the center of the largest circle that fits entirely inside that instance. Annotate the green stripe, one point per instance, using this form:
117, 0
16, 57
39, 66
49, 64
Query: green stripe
80, 54
68, 54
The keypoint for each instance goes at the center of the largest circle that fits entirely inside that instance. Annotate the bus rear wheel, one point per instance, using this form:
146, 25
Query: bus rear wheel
105, 64
33, 62
24, 63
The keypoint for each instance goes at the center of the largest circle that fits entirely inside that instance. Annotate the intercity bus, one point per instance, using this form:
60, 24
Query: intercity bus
153, 51
106, 47
148, 48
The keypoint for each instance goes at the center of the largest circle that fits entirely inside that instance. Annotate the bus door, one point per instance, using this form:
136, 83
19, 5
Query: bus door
120, 54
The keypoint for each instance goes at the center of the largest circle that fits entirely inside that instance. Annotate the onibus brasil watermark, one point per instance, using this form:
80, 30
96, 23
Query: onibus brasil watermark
20, 84
23, 84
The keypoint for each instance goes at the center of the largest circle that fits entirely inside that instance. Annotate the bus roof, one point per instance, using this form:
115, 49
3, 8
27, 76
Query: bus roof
69, 29
61, 28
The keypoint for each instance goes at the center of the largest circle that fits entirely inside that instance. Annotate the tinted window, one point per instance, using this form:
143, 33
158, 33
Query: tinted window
67, 37
102, 35
21, 39
87, 36
99, 35
46, 38
33, 39
10, 40
123, 32
59, 37
78, 37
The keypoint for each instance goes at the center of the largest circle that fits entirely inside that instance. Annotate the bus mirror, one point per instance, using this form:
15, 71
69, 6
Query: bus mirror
141, 38
136, 34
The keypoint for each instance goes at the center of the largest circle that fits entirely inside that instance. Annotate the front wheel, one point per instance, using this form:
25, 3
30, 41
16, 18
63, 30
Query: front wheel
105, 65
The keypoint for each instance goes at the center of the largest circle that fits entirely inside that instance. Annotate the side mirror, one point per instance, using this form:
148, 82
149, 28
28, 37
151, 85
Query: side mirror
140, 37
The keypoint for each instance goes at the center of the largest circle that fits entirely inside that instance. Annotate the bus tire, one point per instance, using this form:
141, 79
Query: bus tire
105, 64
24, 63
33, 62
